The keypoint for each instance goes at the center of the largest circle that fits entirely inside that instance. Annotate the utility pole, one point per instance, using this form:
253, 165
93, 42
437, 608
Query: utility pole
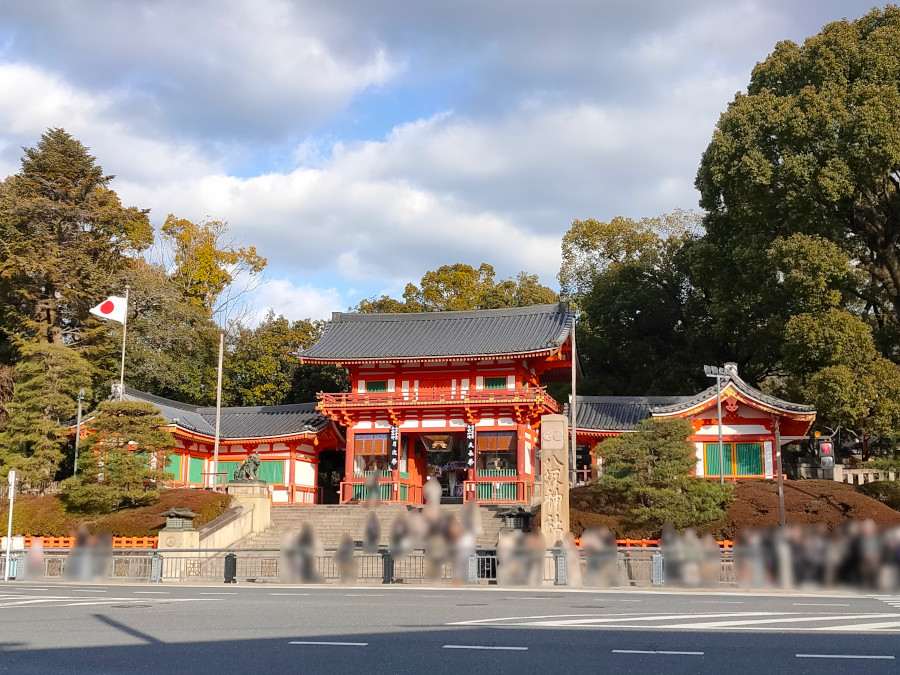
215, 470
573, 450
780, 472
124, 331
718, 373
78, 430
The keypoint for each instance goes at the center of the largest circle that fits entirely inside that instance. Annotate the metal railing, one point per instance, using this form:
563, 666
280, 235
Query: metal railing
614, 568
432, 397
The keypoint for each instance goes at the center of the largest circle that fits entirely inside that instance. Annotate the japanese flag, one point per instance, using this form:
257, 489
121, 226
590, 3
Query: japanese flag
113, 308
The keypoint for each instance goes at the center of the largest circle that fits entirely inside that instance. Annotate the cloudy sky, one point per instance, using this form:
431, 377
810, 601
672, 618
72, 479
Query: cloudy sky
358, 144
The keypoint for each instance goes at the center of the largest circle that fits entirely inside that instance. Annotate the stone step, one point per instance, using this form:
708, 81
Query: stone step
331, 521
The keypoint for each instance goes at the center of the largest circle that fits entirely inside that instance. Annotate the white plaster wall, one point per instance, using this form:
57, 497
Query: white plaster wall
699, 446
304, 473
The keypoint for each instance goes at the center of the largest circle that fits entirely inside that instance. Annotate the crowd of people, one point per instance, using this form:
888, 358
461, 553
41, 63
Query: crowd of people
855, 555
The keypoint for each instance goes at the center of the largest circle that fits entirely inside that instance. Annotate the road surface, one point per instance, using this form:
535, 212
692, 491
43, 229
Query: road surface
106, 628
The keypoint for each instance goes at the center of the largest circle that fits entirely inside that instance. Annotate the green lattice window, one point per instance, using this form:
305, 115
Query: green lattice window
272, 472
376, 386
495, 383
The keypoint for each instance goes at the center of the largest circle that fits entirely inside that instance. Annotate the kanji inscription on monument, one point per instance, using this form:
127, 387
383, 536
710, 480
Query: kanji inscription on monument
554, 478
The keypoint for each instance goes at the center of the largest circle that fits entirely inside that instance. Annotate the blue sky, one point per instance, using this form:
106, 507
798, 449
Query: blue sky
358, 144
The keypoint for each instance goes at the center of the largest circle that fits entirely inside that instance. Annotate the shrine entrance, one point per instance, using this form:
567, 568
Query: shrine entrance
445, 462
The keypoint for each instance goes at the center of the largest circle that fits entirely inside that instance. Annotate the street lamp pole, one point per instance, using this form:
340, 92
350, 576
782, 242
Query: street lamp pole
11, 477
718, 373
78, 431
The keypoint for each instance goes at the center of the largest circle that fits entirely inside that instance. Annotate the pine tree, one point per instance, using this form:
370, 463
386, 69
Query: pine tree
123, 458
47, 380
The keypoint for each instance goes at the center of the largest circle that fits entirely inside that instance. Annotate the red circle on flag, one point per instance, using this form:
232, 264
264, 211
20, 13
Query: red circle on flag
107, 307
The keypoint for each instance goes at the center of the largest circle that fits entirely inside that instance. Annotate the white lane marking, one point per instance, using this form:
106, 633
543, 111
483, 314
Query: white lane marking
291, 594
151, 592
527, 598
87, 590
519, 618
31, 602
330, 644
722, 602
844, 656
218, 593
793, 619
665, 617
659, 651
630, 600
864, 626
819, 604
508, 649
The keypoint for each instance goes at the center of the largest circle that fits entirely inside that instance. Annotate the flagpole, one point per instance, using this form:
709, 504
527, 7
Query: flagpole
215, 471
124, 330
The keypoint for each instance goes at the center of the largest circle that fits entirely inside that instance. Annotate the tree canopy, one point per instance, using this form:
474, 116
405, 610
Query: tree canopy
463, 287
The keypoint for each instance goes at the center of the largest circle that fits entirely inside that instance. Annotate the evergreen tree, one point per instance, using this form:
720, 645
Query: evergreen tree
63, 235
48, 378
123, 458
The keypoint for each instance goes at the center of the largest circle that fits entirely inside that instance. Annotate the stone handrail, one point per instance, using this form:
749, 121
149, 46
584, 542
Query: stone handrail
233, 525
861, 476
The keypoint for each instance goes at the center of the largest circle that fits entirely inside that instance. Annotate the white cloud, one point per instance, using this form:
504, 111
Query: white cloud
296, 302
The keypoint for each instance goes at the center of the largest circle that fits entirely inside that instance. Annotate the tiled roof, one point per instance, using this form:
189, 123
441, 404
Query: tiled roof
490, 332
622, 413
742, 387
236, 423
618, 413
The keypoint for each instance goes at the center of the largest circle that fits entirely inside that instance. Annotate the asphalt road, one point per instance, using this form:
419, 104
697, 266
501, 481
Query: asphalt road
105, 628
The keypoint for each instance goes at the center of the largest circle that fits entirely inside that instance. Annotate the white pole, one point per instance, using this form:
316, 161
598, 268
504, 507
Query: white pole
573, 449
12, 495
215, 470
124, 330
721, 447
78, 432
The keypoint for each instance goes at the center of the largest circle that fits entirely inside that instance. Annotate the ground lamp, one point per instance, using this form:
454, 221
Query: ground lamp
718, 373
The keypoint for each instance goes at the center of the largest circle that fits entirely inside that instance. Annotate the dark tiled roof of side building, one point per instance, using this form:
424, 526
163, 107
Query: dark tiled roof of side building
236, 423
618, 413
489, 332
622, 413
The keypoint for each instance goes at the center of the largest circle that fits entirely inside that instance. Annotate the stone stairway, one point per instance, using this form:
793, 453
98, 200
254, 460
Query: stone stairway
330, 521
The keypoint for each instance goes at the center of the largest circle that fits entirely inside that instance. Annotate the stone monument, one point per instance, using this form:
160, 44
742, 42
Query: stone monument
554, 478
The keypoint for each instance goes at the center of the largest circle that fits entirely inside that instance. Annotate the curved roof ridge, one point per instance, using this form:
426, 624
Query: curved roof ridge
486, 333
442, 315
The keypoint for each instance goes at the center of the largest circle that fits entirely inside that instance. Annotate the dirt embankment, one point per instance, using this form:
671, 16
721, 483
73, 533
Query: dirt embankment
47, 516
755, 505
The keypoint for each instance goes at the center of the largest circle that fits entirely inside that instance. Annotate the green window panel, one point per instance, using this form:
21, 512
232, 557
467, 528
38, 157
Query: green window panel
173, 466
229, 468
404, 491
376, 386
495, 383
490, 473
711, 465
195, 470
359, 492
749, 459
272, 472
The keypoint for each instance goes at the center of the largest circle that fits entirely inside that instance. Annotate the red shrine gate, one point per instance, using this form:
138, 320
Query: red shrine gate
454, 397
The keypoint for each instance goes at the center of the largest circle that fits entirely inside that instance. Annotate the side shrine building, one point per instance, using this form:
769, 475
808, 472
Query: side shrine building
288, 438
453, 396
754, 425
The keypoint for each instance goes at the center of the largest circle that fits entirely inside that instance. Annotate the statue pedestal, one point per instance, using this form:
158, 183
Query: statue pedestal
256, 494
